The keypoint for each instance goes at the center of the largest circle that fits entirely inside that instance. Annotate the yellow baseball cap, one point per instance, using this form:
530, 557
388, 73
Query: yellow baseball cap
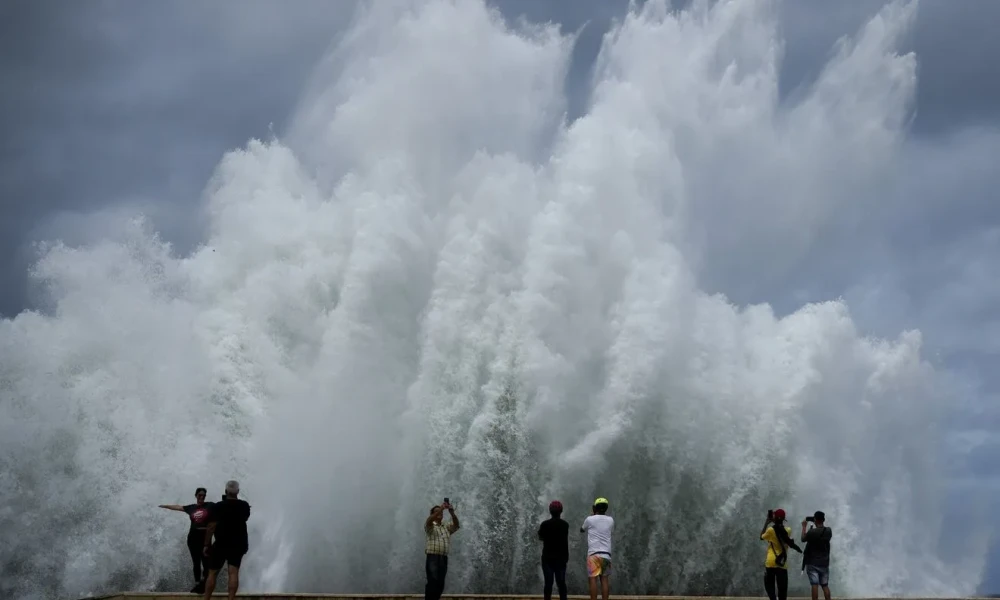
601, 501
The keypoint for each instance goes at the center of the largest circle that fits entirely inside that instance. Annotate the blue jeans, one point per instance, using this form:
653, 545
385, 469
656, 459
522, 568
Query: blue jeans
818, 575
555, 571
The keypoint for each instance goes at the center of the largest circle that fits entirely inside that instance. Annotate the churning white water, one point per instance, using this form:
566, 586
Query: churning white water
434, 286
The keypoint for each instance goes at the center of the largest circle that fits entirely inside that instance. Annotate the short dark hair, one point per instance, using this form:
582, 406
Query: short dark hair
819, 516
601, 508
434, 508
201, 491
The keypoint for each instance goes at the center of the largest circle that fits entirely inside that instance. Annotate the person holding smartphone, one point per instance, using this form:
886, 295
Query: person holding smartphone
816, 558
779, 538
436, 548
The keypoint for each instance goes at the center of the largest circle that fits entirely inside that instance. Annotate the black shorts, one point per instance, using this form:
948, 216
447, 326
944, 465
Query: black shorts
220, 554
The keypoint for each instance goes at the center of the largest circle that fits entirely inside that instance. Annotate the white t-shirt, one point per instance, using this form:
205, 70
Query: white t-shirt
599, 529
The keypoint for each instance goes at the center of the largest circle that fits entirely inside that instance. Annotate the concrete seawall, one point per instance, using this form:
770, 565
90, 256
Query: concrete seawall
290, 596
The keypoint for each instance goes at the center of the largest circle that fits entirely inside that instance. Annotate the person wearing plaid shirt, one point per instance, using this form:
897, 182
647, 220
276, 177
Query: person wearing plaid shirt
436, 549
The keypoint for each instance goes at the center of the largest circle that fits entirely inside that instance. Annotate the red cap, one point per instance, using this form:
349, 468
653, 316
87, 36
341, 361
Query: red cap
555, 505
779, 513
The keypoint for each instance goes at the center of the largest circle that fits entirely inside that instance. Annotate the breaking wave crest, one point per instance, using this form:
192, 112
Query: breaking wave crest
434, 285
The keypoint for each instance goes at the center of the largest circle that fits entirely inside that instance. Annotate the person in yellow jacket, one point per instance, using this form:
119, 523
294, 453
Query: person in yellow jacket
779, 538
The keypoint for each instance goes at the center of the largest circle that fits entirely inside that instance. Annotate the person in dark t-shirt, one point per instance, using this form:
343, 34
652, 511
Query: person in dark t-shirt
227, 521
554, 534
198, 515
816, 557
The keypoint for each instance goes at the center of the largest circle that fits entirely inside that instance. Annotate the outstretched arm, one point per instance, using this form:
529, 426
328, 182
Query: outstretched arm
454, 520
172, 507
786, 539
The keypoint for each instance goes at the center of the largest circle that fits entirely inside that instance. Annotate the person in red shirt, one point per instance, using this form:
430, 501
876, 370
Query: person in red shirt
198, 515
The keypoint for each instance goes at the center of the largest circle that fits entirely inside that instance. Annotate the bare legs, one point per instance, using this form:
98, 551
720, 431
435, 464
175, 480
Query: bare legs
210, 583
605, 587
234, 581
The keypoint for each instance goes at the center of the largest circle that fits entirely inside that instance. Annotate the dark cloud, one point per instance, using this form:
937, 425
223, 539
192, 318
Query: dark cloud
108, 105
957, 55
959, 83
128, 104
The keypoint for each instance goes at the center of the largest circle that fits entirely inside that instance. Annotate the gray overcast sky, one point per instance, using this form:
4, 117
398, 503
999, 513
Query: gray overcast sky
111, 105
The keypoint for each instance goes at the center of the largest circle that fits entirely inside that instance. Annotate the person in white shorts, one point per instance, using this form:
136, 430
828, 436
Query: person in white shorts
599, 527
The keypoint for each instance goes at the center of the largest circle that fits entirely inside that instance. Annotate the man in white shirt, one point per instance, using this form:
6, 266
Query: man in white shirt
599, 527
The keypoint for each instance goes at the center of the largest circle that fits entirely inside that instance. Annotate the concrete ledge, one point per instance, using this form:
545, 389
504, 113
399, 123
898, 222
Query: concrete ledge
291, 596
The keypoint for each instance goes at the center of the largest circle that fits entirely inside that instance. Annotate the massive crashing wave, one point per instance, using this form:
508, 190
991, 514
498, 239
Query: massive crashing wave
435, 285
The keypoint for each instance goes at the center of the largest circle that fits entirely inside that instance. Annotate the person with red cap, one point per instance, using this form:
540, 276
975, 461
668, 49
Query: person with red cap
779, 538
554, 533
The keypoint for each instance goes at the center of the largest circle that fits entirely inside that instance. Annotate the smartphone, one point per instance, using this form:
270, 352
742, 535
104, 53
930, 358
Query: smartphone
770, 514
810, 519
446, 501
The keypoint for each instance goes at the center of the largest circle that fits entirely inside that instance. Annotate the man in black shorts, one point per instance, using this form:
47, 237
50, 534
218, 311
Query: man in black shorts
228, 523
198, 514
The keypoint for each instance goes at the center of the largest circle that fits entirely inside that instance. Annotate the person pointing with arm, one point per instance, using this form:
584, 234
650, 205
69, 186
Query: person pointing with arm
198, 515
